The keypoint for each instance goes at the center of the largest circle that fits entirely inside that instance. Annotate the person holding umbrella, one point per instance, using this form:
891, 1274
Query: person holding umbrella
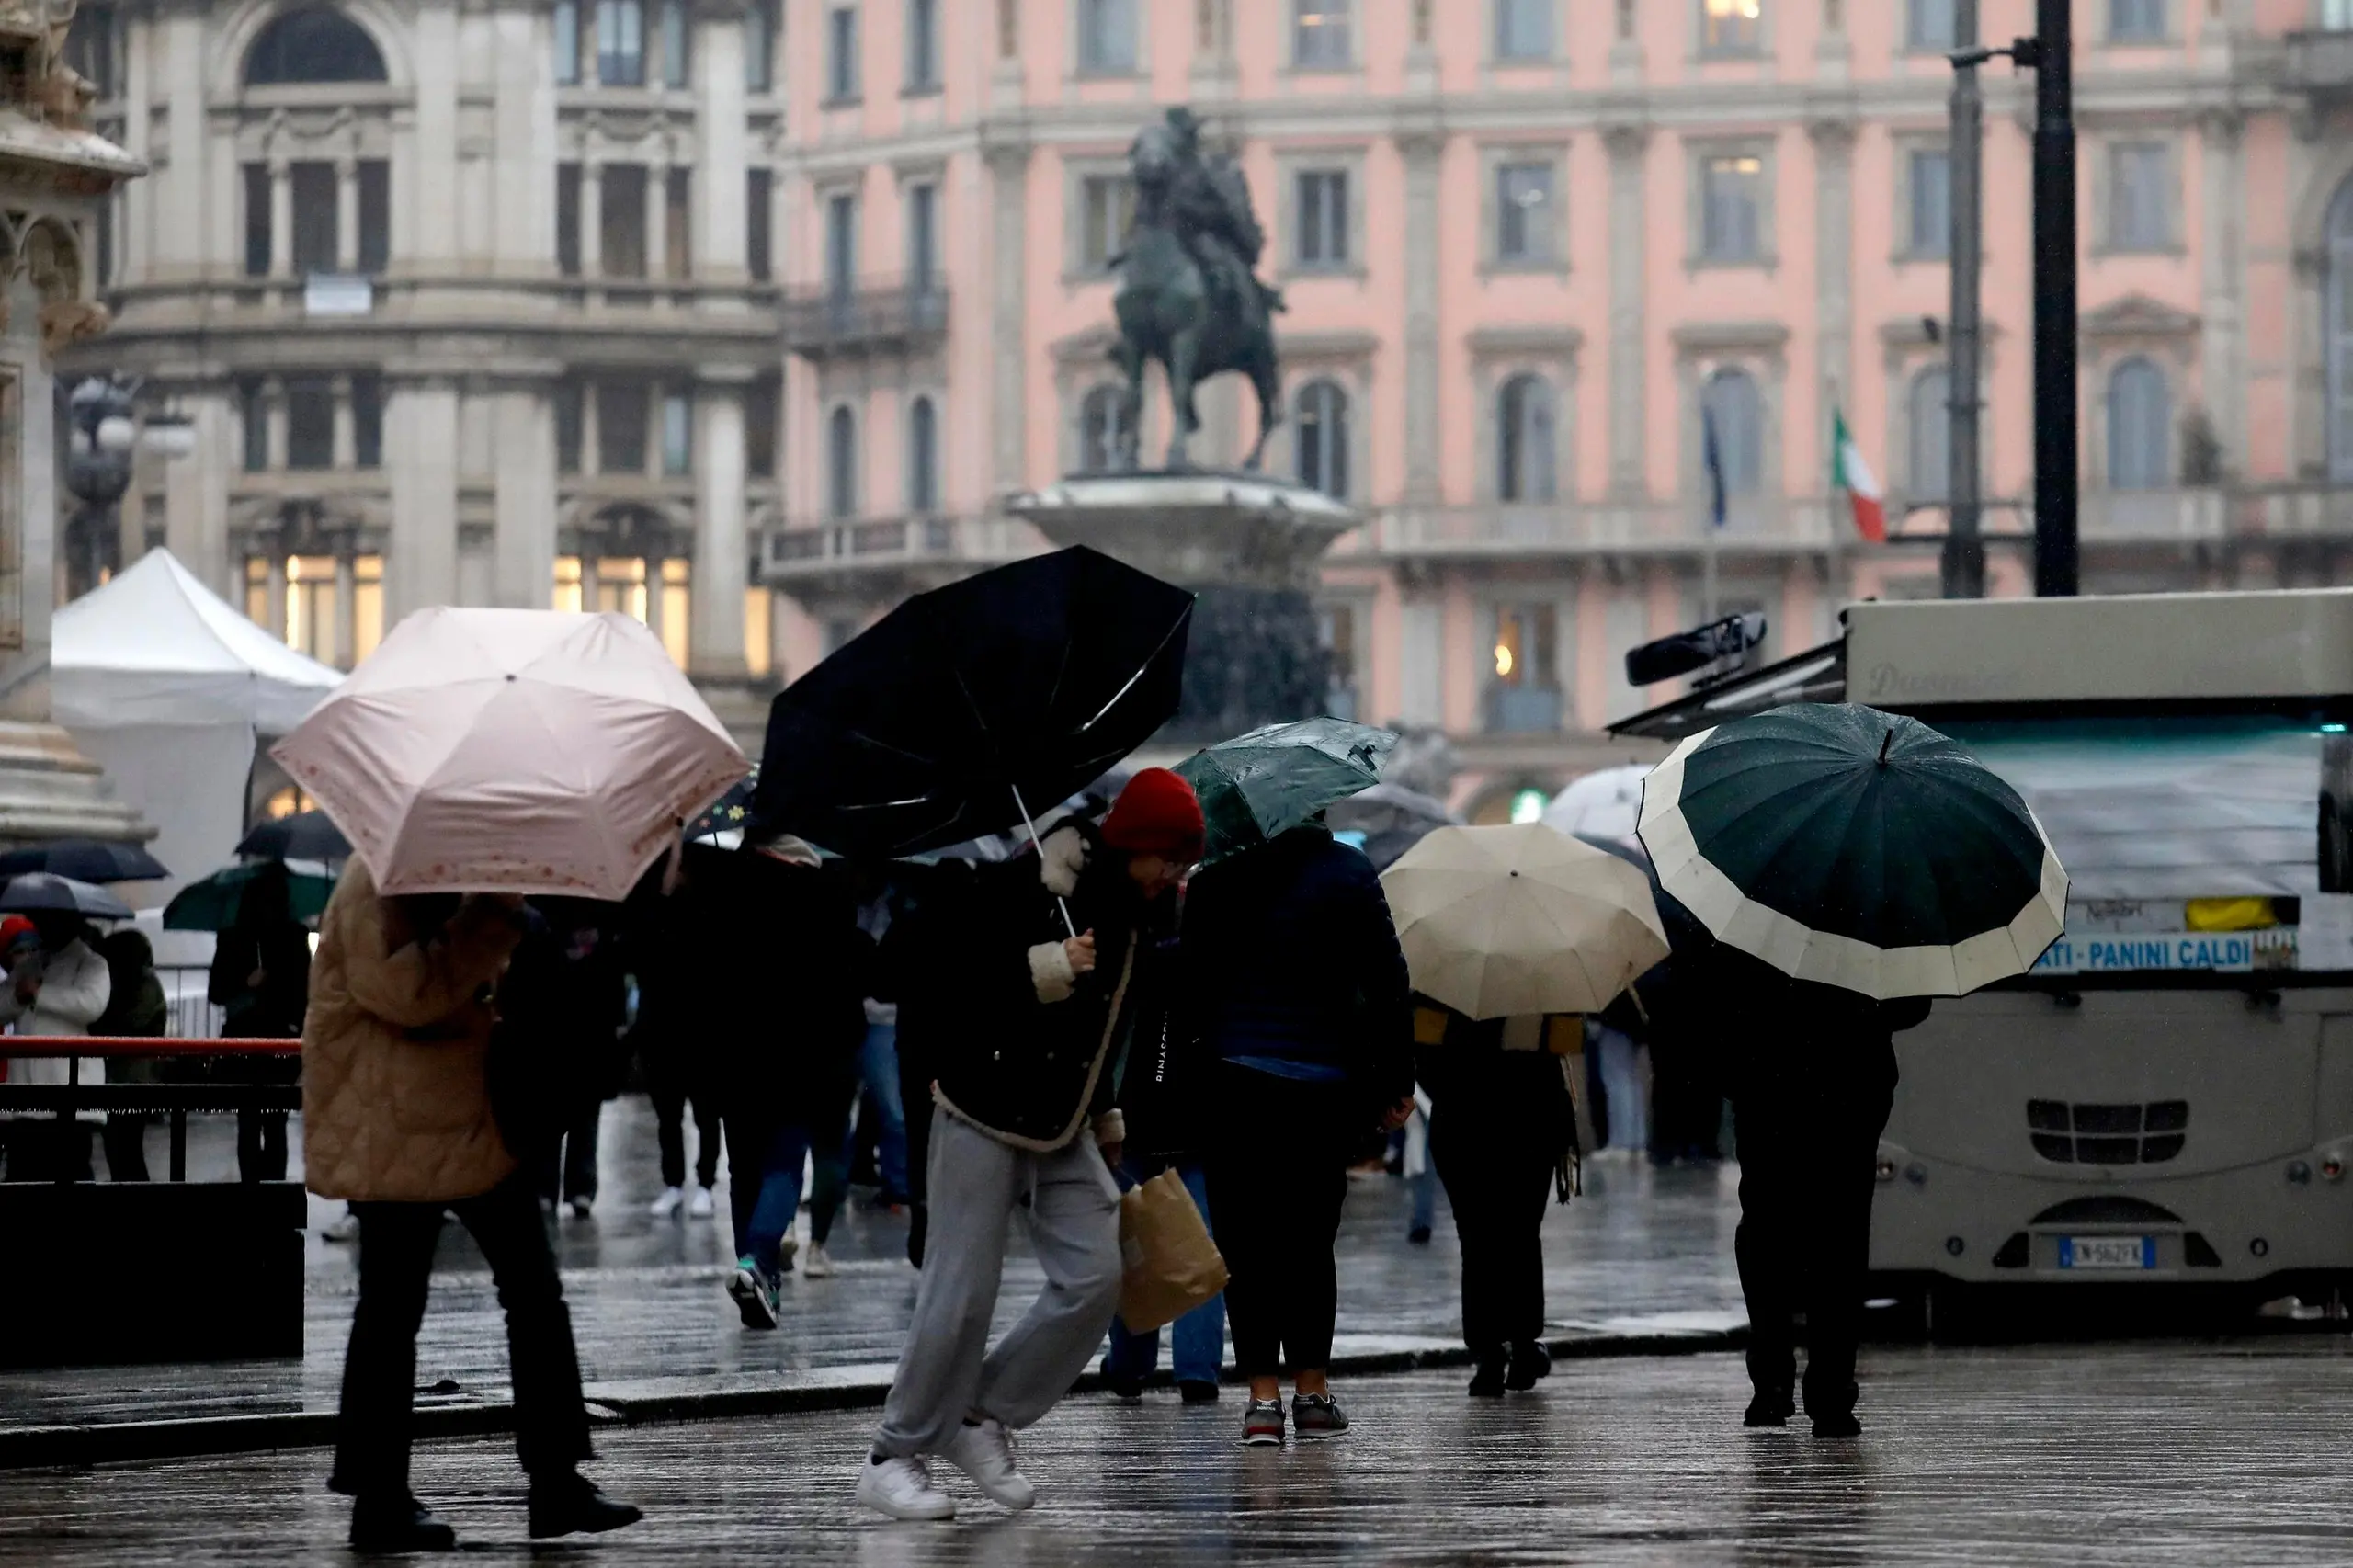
1026, 1127
57, 985
1841, 867
261, 980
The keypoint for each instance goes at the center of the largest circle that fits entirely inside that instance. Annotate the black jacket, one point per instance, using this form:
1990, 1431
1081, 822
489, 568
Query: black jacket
1290, 954
1030, 1058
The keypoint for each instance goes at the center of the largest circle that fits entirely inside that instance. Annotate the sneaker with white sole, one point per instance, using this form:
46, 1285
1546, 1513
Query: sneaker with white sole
819, 1264
754, 1294
984, 1450
1262, 1424
343, 1227
583, 1205
669, 1203
902, 1489
1314, 1417
701, 1206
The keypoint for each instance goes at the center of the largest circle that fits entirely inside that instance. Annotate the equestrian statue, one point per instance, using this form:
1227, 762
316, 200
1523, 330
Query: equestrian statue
1188, 296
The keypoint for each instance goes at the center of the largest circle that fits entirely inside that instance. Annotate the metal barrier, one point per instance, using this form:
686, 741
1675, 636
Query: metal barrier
190, 1012
65, 1101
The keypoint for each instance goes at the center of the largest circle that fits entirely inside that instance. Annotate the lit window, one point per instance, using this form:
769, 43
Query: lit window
759, 631
567, 583
1319, 41
677, 612
1731, 27
311, 605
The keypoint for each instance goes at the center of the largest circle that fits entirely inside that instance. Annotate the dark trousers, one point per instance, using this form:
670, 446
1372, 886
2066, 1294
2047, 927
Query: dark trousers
1497, 1182
567, 1166
261, 1145
126, 1144
46, 1149
396, 1242
670, 1103
1276, 1179
1808, 1159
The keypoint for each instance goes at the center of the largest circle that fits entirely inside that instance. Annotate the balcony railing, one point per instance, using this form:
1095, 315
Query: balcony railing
872, 317
1574, 528
2322, 62
874, 549
1523, 709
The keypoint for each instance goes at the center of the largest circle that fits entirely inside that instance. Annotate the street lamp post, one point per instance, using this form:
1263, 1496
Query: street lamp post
101, 432
2050, 55
1964, 555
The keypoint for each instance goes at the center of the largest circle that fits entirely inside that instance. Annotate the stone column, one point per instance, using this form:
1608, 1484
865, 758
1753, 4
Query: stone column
592, 218
1628, 146
1423, 146
196, 502
273, 399
179, 200
523, 497
717, 235
347, 445
282, 218
346, 612
347, 215
592, 460
1006, 147
1834, 269
722, 557
657, 221
421, 455
524, 139
2221, 284
433, 179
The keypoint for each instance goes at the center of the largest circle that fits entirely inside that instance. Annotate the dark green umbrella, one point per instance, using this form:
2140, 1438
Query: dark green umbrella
1263, 784
212, 903
1854, 847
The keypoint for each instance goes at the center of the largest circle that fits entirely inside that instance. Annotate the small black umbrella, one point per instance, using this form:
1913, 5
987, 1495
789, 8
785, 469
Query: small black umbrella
45, 893
305, 836
84, 860
957, 712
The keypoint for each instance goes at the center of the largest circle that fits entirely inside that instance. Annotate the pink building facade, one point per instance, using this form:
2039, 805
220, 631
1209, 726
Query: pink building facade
1523, 241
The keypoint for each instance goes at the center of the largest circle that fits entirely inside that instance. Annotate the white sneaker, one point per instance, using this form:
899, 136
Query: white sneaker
984, 1452
701, 1207
667, 1204
903, 1489
343, 1227
817, 1265
583, 1206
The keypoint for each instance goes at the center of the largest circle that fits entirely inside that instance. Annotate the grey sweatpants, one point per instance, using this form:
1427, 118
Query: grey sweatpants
1071, 1206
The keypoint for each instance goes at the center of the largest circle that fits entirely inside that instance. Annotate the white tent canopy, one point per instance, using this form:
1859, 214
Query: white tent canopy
166, 687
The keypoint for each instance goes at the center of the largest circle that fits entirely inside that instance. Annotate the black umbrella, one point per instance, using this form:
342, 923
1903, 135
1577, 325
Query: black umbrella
954, 714
305, 836
84, 860
45, 893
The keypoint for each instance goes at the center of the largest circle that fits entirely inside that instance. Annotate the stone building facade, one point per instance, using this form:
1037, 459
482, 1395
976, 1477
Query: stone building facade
748, 318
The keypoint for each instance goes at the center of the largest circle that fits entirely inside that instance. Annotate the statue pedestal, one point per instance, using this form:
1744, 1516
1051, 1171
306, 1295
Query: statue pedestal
1248, 546
48, 790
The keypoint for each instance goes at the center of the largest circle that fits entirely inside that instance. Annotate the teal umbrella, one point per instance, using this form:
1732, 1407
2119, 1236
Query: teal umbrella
1258, 786
212, 903
1854, 847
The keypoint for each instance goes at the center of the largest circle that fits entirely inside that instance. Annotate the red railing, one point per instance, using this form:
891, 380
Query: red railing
174, 1101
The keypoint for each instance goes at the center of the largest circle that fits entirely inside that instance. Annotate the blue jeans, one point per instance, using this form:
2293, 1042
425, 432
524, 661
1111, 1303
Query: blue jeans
1621, 1082
1197, 1347
765, 1205
878, 1067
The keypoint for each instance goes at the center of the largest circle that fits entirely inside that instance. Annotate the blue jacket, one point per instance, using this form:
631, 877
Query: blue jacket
1292, 966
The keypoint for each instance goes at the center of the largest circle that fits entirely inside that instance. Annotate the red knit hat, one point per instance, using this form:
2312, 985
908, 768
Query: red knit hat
1157, 814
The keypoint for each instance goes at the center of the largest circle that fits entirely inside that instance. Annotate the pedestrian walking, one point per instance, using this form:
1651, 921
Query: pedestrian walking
1502, 1134
136, 1009
397, 1119
562, 1007
1300, 1002
662, 961
57, 985
1420, 1172
777, 1013
261, 978
1044, 960
879, 904
1812, 1076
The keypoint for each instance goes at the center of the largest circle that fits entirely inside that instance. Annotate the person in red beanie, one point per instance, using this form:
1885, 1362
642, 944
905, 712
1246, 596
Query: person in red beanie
1042, 958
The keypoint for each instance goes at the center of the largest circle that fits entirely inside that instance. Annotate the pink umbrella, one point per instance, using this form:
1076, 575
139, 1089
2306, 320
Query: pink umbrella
513, 751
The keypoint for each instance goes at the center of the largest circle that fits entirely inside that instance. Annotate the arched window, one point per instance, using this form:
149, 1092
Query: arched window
1931, 422
1320, 434
1525, 445
841, 464
2338, 343
1737, 410
1103, 432
312, 45
923, 455
2140, 427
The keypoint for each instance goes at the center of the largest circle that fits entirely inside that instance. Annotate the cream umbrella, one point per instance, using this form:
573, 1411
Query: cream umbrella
1504, 922
513, 751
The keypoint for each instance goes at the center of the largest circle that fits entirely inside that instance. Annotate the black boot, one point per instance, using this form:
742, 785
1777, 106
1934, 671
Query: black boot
570, 1503
1530, 1364
1489, 1381
1837, 1424
394, 1521
1771, 1407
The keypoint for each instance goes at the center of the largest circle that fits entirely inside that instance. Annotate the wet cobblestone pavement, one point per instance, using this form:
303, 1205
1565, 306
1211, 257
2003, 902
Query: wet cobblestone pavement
1642, 1250
2152, 1453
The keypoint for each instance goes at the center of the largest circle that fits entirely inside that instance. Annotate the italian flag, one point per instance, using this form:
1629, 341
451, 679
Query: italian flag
1850, 473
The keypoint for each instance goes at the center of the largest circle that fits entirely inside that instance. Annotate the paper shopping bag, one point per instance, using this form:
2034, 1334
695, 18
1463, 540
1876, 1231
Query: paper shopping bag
1168, 1264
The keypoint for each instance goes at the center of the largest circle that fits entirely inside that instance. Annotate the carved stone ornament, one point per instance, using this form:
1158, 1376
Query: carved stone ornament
68, 321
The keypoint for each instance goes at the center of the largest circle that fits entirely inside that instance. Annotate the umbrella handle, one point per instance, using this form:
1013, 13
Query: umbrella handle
1029, 823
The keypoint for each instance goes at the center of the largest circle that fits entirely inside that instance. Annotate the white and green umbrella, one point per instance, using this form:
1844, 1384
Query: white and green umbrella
1857, 848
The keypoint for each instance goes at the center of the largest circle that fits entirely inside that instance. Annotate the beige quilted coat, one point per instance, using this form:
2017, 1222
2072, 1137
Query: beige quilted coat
395, 1103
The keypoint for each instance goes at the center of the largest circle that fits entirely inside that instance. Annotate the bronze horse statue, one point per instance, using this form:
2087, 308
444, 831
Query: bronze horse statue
1186, 294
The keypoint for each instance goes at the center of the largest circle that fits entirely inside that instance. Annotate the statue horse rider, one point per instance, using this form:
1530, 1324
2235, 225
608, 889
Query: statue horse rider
1188, 295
